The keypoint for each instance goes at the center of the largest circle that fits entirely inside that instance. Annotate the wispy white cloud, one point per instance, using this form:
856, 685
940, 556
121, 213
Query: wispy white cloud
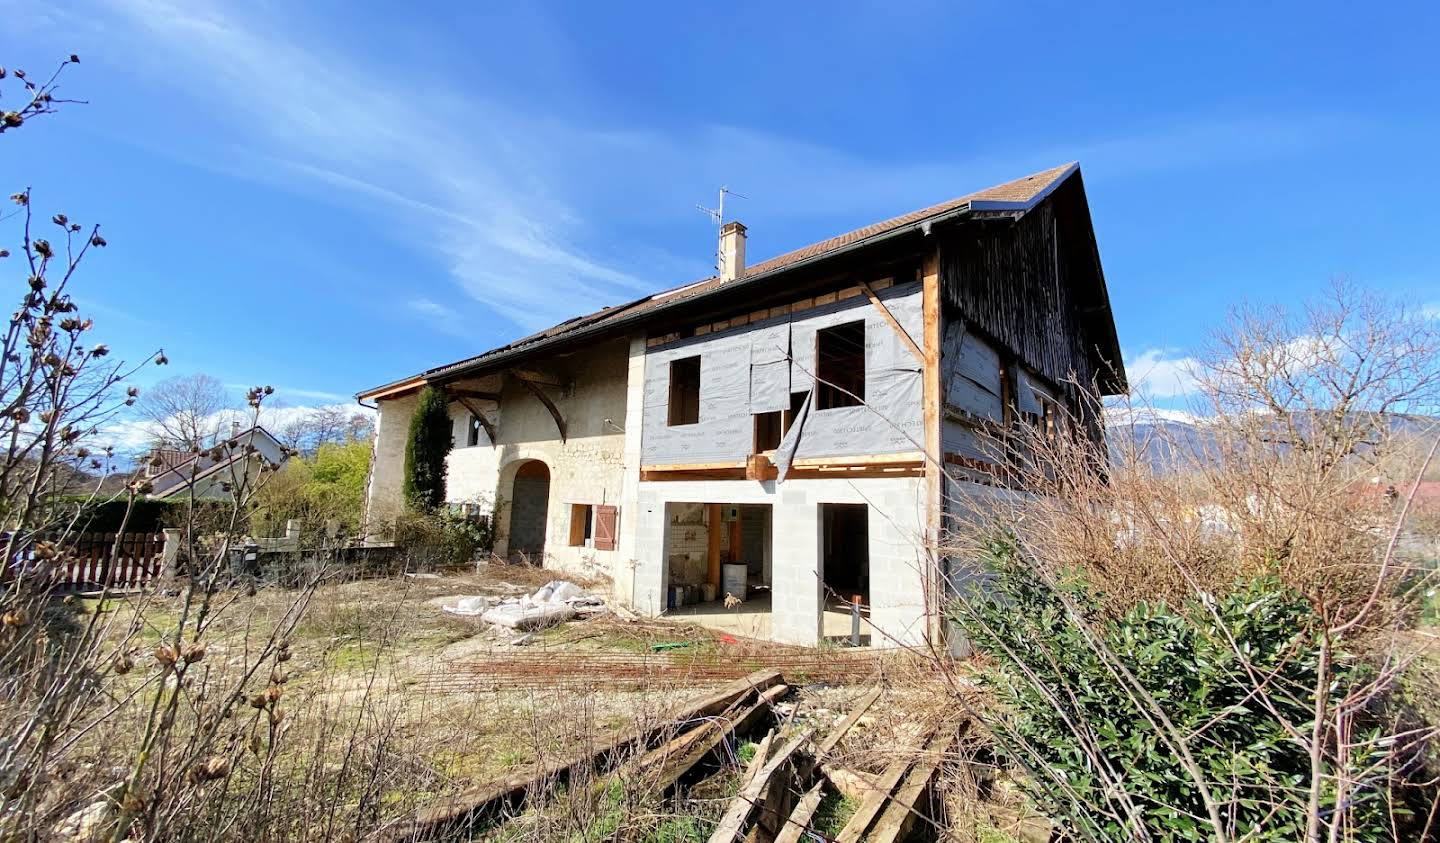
440, 316
519, 205
1162, 373
284, 394
470, 197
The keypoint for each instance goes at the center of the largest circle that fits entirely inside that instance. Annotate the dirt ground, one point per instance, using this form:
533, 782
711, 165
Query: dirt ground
429, 703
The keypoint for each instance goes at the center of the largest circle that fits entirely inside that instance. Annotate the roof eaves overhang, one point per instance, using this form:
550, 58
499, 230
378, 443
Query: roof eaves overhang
391, 389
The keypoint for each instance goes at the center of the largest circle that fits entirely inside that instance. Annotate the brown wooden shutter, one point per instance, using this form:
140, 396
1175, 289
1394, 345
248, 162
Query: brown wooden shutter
605, 519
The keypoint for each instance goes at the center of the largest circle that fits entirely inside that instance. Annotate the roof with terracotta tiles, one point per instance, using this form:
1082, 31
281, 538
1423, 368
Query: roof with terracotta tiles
1019, 194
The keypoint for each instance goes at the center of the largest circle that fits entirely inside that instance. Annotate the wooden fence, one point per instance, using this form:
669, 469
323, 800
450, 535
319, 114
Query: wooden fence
88, 562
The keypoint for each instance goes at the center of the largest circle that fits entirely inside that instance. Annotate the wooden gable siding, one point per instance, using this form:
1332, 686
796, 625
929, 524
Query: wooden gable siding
1017, 282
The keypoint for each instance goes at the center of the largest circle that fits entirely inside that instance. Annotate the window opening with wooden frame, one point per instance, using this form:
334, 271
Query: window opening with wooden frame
684, 392
582, 524
769, 430
594, 525
840, 366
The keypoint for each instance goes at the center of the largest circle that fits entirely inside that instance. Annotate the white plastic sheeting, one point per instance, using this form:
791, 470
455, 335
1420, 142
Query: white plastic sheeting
556, 601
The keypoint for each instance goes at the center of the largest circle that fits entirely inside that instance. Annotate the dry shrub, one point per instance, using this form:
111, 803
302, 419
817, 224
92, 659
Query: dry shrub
1310, 433
1300, 426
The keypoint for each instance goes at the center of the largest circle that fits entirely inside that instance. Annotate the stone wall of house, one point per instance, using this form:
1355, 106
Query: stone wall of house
588, 467
384, 497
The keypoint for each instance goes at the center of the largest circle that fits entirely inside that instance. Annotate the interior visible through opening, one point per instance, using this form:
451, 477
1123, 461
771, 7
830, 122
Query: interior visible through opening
718, 565
845, 557
840, 366
684, 391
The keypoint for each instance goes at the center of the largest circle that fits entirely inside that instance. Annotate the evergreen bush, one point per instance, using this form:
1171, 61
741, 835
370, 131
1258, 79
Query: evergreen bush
1091, 742
429, 442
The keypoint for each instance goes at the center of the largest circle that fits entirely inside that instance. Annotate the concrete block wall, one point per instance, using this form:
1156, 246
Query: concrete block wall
897, 552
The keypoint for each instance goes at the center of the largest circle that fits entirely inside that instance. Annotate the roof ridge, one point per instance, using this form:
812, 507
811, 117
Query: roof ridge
1016, 194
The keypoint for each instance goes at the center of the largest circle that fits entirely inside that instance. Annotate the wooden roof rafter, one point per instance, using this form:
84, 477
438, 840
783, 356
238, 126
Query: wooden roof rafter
485, 423
535, 386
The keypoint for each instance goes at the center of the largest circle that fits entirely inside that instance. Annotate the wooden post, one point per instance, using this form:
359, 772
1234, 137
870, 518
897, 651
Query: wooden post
934, 466
735, 538
713, 549
170, 555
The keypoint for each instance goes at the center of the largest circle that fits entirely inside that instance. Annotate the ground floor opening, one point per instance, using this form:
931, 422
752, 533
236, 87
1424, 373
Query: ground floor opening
809, 552
717, 553
845, 567
529, 512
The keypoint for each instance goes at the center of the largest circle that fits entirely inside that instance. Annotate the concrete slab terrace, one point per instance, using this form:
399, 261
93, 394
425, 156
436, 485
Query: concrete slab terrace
751, 619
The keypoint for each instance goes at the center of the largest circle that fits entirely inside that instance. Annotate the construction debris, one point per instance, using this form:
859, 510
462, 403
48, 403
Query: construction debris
778, 797
556, 601
470, 809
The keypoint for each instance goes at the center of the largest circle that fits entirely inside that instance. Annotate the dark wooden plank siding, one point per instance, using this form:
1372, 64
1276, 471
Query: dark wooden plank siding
1007, 280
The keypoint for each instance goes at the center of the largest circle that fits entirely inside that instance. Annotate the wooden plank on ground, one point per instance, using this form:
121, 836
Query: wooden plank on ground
837, 734
737, 816
901, 813
470, 807
874, 801
675, 758
799, 819
762, 754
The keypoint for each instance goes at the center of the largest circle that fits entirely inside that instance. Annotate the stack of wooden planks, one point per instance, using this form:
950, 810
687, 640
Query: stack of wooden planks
783, 788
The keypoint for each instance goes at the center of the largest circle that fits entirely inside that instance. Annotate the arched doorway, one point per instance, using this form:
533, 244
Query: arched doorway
529, 511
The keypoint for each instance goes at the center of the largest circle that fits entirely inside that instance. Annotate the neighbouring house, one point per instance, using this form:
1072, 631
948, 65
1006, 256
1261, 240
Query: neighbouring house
765, 431
214, 473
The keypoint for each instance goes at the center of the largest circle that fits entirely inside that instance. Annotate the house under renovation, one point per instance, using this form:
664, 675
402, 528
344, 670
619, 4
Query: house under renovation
763, 434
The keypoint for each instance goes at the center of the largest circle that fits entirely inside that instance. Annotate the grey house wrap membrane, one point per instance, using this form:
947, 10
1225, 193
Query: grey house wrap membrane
756, 368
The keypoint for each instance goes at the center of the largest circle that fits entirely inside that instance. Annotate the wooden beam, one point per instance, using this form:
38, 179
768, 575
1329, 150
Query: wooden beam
895, 324
934, 471
838, 733
538, 376
799, 821
903, 457
759, 467
692, 466
480, 417
714, 474
901, 813
464, 810
737, 816
872, 804
677, 757
539, 393
392, 390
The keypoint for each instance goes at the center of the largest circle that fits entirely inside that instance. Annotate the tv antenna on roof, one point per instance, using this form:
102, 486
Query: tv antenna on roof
717, 216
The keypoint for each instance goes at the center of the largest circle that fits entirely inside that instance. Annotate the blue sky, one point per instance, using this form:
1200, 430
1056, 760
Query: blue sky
325, 196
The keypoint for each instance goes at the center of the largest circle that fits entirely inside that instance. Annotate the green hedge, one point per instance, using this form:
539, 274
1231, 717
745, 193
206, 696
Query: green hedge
148, 516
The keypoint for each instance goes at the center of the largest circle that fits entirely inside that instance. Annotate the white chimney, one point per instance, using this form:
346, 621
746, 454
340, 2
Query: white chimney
732, 251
